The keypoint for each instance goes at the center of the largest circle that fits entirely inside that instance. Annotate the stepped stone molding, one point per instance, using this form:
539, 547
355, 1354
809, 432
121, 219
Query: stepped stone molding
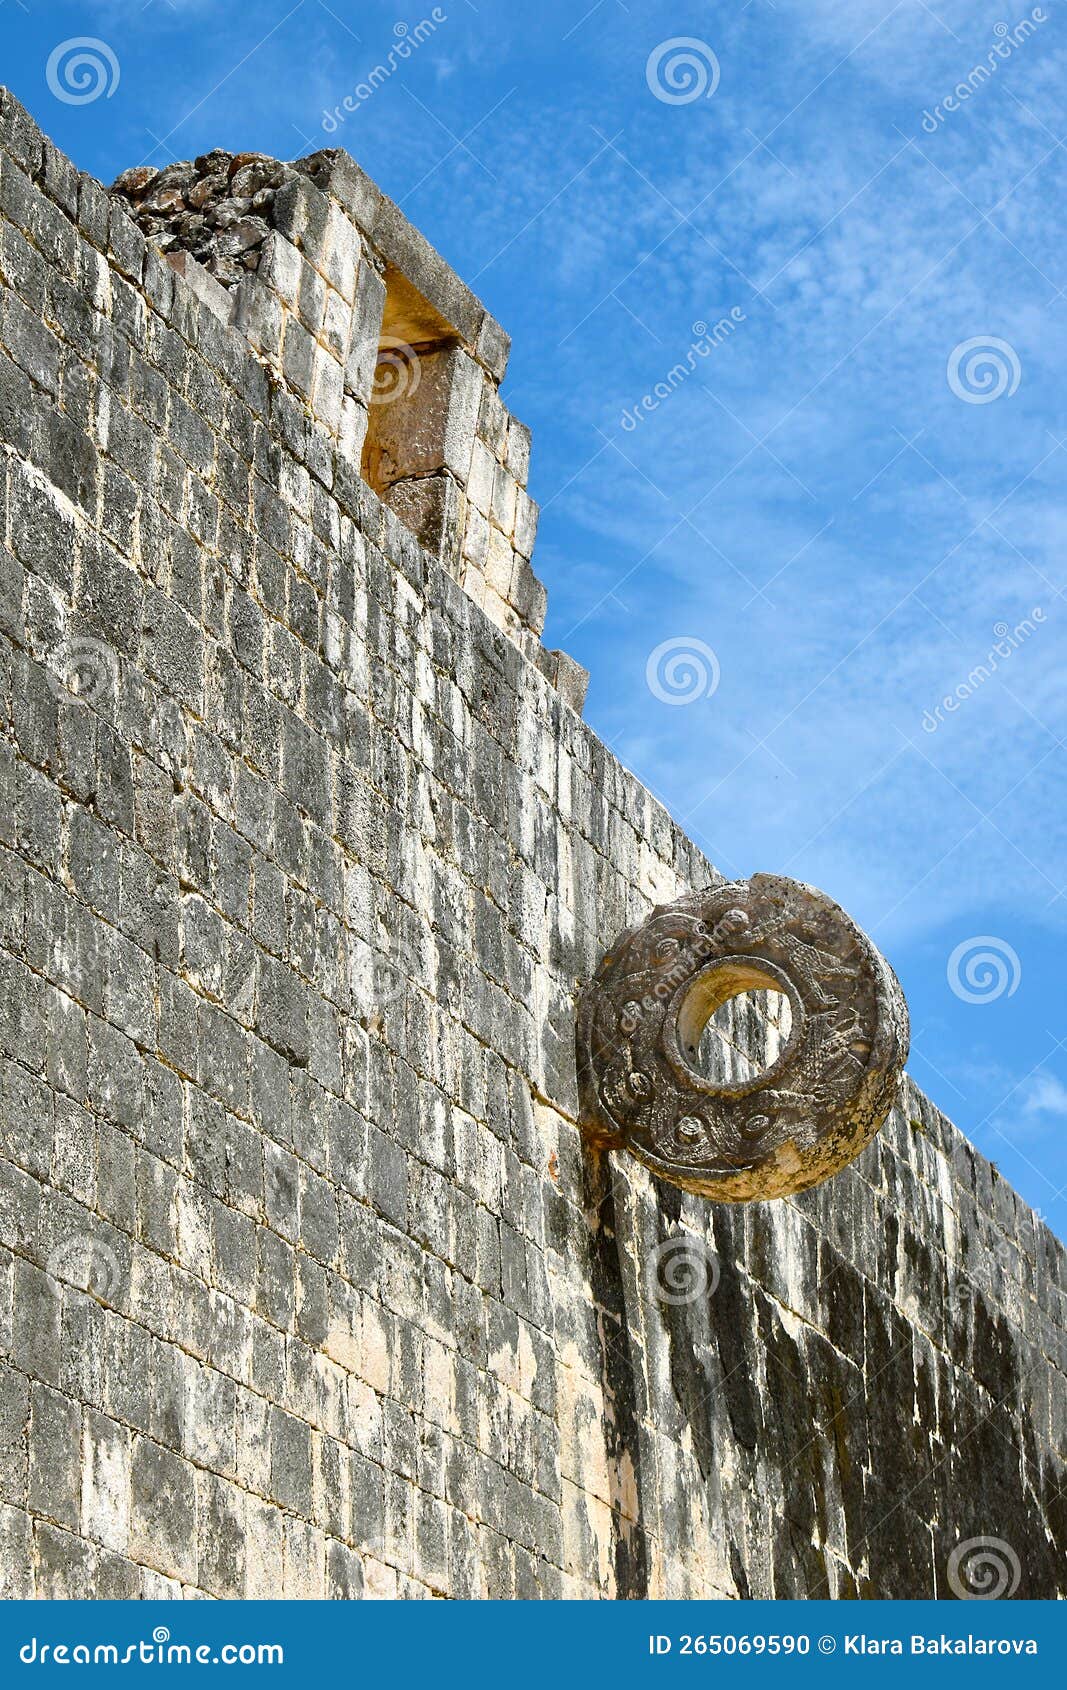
310, 1285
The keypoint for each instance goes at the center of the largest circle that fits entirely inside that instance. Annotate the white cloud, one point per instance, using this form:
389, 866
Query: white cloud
1045, 1095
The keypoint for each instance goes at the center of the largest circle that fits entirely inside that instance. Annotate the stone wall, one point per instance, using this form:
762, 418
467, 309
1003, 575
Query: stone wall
348, 306
307, 1286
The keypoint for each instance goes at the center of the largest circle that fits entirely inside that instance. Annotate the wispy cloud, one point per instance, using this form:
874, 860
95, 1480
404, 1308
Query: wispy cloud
1046, 1095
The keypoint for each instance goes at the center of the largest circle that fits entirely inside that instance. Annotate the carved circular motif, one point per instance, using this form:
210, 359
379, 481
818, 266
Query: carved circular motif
738, 1129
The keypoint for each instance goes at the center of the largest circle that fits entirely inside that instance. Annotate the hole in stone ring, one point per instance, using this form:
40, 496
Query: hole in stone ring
743, 1037
735, 1024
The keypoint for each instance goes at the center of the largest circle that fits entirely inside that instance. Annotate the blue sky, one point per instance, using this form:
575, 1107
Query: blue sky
832, 500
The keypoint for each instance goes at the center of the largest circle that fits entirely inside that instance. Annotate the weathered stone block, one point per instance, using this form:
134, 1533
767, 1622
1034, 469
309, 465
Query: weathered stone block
105, 1482
428, 506
162, 1529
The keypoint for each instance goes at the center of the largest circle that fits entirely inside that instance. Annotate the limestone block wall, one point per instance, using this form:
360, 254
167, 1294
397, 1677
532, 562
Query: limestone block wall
356, 315
307, 1286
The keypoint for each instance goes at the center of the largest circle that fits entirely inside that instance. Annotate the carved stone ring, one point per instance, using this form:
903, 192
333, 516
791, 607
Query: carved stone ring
791, 1085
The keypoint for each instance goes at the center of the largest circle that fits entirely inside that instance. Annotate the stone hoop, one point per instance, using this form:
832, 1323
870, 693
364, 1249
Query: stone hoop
695, 1002
825, 1087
